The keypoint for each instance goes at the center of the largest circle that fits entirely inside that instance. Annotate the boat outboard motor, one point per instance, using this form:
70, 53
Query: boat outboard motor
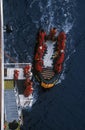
8, 28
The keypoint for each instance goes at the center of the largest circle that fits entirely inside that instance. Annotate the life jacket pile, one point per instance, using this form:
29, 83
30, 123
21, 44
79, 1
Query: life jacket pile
16, 74
61, 52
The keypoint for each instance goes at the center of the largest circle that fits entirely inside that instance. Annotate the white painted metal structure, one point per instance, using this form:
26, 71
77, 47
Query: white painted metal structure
15, 102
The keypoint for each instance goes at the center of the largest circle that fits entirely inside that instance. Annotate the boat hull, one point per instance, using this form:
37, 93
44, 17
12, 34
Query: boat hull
47, 83
48, 60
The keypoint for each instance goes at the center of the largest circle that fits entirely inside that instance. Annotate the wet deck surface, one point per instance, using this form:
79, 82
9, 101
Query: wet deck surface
48, 62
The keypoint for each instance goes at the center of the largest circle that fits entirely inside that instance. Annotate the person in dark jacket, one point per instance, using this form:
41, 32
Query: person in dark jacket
13, 125
8, 28
53, 32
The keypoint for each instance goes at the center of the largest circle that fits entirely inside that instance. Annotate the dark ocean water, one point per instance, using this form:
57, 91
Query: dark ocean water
62, 107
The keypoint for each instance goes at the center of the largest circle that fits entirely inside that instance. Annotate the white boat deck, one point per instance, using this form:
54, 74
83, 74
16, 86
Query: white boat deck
48, 57
11, 109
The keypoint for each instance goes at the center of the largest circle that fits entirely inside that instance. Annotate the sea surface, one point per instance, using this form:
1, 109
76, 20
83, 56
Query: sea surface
63, 106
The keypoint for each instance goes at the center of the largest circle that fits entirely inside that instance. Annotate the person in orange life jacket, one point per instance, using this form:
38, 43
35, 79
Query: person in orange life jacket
42, 35
61, 43
38, 65
62, 37
58, 68
44, 47
29, 75
39, 55
60, 60
28, 90
16, 74
27, 69
40, 52
60, 47
28, 82
40, 49
61, 57
53, 32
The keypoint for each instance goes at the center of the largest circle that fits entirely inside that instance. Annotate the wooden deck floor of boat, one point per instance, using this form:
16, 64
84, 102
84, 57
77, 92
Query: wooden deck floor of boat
47, 73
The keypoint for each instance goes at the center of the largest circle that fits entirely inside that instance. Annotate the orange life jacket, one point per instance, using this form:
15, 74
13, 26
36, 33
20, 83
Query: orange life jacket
42, 37
53, 32
38, 66
60, 59
26, 69
58, 68
28, 82
38, 56
61, 46
28, 91
62, 37
16, 74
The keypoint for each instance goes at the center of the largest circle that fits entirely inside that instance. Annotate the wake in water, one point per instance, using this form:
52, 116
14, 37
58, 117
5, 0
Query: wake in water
59, 14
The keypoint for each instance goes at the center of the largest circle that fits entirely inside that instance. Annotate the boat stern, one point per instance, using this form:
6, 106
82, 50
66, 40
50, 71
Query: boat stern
47, 85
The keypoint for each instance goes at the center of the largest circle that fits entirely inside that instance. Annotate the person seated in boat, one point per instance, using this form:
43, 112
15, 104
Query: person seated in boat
38, 65
27, 81
16, 74
42, 48
29, 75
61, 44
52, 34
27, 69
62, 37
40, 52
29, 90
42, 36
59, 62
38, 55
60, 58
8, 28
58, 68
